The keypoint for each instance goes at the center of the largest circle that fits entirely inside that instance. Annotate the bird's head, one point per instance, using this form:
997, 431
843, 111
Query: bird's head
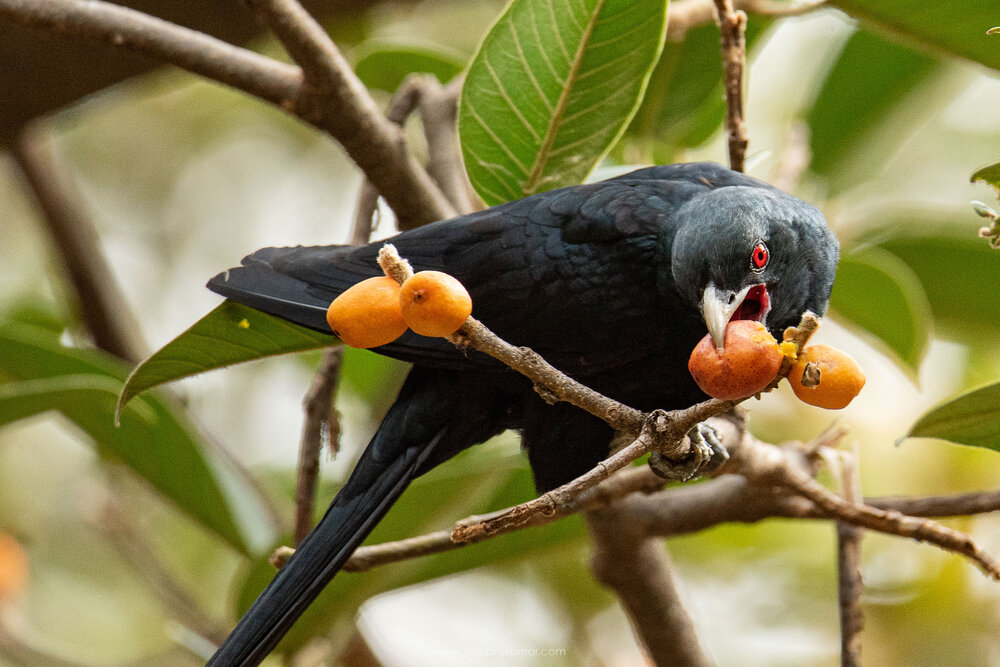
753, 253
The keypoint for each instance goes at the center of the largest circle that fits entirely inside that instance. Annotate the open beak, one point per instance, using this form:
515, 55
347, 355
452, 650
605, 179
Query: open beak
718, 306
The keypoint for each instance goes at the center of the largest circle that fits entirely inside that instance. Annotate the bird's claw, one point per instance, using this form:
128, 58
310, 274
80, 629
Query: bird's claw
707, 453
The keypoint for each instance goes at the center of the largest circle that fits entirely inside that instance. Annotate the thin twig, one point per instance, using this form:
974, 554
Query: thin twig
319, 415
626, 482
765, 465
732, 29
962, 504
850, 584
340, 106
102, 306
319, 412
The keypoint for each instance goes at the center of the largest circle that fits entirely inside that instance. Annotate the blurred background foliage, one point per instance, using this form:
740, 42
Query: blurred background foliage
145, 541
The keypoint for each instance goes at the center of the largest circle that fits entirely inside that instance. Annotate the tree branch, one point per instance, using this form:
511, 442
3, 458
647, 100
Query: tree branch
638, 569
631, 480
336, 103
333, 98
941, 506
765, 465
732, 28
679, 510
320, 420
119, 27
850, 583
439, 115
102, 306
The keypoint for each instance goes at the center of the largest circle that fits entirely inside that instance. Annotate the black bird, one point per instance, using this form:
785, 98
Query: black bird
612, 282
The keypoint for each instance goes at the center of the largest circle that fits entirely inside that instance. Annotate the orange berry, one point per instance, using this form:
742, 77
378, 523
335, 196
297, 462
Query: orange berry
747, 364
367, 314
434, 303
13, 569
841, 378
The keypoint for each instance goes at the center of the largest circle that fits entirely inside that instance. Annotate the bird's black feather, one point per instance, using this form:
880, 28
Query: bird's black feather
437, 414
604, 280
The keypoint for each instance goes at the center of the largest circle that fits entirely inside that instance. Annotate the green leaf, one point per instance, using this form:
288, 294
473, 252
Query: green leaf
970, 419
881, 294
685, 100
955, 27
990, 175
19, 400
228, 335
385, 66
553, 86
152, 440
869, 78
958, 272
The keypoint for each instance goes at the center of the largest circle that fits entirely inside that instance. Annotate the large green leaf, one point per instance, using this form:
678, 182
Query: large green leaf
957, 27
228, 335
970, 419
553, 86
152, 440
958, 271
869, 78
881, 294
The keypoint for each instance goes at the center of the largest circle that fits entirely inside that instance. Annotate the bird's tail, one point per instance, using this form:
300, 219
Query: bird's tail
431, 420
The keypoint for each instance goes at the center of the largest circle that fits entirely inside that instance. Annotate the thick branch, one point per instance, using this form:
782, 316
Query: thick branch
335, 99
340, 105
638, 569
112, 25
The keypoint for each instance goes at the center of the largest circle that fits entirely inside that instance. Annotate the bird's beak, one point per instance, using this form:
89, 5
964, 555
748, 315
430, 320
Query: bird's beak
717, 307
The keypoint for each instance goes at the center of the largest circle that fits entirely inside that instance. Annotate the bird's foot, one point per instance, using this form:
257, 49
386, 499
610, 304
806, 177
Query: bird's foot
707, 453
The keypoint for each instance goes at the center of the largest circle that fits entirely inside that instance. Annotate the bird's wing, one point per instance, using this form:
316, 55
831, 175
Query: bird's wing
568, 272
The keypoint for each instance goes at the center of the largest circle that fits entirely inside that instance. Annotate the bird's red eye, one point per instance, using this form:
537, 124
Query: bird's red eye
759, 257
